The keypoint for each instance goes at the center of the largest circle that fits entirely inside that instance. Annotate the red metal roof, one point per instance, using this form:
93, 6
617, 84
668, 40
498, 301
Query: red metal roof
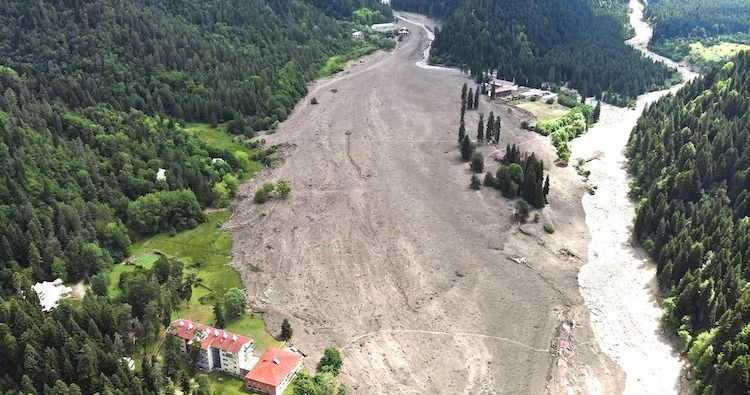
212, 337
274, 365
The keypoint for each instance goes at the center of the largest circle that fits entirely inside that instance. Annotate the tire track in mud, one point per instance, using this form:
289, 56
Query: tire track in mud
442, 333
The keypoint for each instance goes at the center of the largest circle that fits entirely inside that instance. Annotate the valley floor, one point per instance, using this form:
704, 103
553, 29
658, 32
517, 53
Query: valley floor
383, 251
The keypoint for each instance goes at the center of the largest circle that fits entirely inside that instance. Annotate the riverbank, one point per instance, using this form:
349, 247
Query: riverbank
619, 283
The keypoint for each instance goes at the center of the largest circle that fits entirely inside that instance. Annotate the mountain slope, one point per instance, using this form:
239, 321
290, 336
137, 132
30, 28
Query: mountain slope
555, 41
690, 154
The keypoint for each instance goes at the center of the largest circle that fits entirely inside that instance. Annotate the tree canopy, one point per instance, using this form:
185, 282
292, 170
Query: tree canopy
690, 155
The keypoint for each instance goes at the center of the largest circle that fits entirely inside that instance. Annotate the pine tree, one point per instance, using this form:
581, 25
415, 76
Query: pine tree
467, 148
476, 99
496, 134
286, 330
597, 111
490, 127
470, 99
461, 130
480, 129
464, 91
219, 318
545, 190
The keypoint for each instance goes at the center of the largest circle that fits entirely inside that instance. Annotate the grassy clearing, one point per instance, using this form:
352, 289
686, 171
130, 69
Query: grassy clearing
543, 111
336, 64
222, 383
206, 251
718, 52
219, 138
147, 260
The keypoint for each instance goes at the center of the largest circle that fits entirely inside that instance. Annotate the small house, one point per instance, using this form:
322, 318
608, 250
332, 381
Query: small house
358, 36
503, 88
403, 32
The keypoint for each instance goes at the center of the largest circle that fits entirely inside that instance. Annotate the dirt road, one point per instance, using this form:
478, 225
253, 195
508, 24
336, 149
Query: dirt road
383, 250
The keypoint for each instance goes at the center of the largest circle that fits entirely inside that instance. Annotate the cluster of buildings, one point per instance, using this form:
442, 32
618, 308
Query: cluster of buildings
227, 352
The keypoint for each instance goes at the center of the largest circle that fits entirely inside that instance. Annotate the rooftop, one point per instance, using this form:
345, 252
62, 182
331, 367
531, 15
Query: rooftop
210, 337
274, 366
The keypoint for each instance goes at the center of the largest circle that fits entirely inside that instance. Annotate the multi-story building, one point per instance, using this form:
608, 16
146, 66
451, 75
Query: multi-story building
219, 349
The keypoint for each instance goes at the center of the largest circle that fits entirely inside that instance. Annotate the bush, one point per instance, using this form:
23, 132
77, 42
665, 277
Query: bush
477, 162
467, 148
524, 125
537, 217
475, 183
489, 179
549, 228
283, 188
263, 194
314, 101
551, 100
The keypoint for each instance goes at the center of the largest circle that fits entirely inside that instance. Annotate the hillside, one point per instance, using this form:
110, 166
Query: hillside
701, 32
690, 155
532, 42
185, 59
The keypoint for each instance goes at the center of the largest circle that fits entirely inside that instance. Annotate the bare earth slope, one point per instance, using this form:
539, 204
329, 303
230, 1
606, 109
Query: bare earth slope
384, 251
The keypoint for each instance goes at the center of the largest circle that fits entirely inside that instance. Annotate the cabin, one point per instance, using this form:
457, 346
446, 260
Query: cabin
503, 88
403, 32
358, 36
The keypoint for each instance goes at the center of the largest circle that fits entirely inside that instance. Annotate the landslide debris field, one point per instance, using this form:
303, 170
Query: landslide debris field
383, 251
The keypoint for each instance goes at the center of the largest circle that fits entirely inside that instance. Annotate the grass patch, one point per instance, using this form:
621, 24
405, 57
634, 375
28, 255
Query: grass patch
336, 64
206, 251
222, 383
718, 52
543, 111
219, 138
147, 260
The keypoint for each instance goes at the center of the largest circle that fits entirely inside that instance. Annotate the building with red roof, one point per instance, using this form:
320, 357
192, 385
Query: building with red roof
219, 349
273, 372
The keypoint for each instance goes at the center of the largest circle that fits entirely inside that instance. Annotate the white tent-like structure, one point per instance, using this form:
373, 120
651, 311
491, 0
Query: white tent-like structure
50, 293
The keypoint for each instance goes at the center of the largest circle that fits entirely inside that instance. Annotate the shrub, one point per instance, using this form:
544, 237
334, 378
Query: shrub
549, 228
489, 179
477, 162
467, 148
524, 124
314, 101
283, 188
551, 100
475, 183
537, 217
331, 361
263, 194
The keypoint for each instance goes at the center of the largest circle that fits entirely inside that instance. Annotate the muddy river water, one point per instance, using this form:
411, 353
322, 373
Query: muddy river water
618, 282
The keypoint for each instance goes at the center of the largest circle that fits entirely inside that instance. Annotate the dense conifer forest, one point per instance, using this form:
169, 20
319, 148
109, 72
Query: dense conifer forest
533, 42
688, 29
185, 59
93, 157
697, 19
690, 155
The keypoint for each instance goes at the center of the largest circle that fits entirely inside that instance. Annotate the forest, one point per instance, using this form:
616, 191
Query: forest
547, 41
184, 59
697, 19
699, 32
690, 156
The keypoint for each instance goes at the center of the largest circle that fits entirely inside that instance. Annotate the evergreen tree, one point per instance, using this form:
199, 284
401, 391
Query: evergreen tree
490, 127
461, 130
467, 148
476, 99
286, 330
219, 319
480, 129
470, 99
597, 111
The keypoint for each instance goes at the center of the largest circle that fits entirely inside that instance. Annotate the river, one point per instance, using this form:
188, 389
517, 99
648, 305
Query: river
618, 282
